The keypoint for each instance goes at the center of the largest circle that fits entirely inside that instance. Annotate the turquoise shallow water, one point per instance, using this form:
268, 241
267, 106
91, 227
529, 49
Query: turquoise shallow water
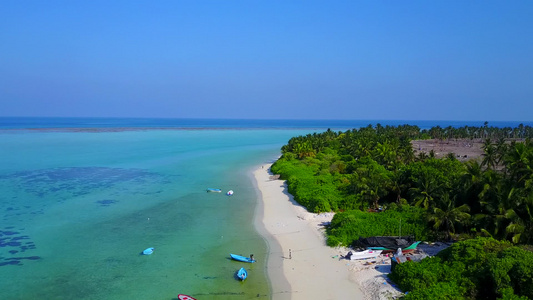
77, 208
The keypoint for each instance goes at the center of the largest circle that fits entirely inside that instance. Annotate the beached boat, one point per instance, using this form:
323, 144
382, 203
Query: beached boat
242, 258
148, 251
389, 243
185, 297
363, 254
212, 190
242, 274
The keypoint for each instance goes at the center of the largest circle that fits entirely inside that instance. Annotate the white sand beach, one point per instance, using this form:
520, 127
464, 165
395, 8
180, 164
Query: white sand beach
300, 264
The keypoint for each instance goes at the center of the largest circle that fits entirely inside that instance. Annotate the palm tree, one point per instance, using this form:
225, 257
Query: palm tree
519, 212
405, 151
490, 155
490, 215
447, 216
436, 132
304, 150
397, 185
507, 207
373, 182
449, 132
501, 149
426, 188
519, 162
472, 185
521, 131
385, 154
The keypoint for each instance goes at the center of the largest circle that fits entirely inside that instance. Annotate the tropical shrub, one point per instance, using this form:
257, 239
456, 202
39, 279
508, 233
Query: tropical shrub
375, 166
481, 268
347, 227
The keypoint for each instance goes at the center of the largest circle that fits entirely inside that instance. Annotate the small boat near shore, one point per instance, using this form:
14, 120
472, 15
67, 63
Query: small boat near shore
242, 258
148, 251
229, 193
242, 274
369, 253
212, 190
185, 297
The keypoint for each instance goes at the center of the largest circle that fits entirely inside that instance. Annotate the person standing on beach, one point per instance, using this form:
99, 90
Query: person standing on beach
290, 254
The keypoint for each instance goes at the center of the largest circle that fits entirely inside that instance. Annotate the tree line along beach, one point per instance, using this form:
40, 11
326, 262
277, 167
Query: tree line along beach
442, 190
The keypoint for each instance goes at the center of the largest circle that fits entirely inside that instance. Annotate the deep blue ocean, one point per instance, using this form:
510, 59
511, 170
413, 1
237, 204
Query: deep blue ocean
49, 122
80, 198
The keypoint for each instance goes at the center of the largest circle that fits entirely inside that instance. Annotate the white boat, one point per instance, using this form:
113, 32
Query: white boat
363, 254
229, 193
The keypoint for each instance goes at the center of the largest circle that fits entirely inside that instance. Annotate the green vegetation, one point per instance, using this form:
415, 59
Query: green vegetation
372, 167
392, 222
481, 268
373, 179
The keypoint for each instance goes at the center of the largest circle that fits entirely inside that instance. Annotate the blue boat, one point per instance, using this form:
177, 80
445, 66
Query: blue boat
148, 251
242, 274
242, 258
212, 190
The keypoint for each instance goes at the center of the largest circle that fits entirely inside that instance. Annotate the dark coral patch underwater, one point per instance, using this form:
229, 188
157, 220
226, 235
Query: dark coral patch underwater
14, 241
106, 202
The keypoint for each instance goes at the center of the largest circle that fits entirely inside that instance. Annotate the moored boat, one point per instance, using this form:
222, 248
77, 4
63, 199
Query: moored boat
185, 297
242, 258
212, 190
148, 251
242, 274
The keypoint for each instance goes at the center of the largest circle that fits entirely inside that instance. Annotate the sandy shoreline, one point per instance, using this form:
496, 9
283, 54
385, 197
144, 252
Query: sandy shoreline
311, 270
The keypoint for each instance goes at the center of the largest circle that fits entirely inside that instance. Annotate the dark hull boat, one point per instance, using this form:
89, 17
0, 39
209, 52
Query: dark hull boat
389, 243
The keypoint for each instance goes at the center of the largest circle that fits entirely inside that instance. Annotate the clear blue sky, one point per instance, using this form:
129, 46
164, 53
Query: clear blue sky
408, 60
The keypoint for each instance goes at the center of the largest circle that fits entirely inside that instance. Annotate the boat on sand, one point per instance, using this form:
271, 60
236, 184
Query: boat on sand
363, 254
389, 244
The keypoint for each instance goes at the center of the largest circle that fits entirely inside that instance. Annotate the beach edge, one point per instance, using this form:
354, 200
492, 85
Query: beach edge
299, 265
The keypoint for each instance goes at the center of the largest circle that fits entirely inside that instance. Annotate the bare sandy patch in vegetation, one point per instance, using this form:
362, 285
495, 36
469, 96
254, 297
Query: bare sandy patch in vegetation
463, 149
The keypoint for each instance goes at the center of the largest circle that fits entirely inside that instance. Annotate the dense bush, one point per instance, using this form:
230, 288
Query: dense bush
372, 166
431, 279
315, 190
348, 227
481, 268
